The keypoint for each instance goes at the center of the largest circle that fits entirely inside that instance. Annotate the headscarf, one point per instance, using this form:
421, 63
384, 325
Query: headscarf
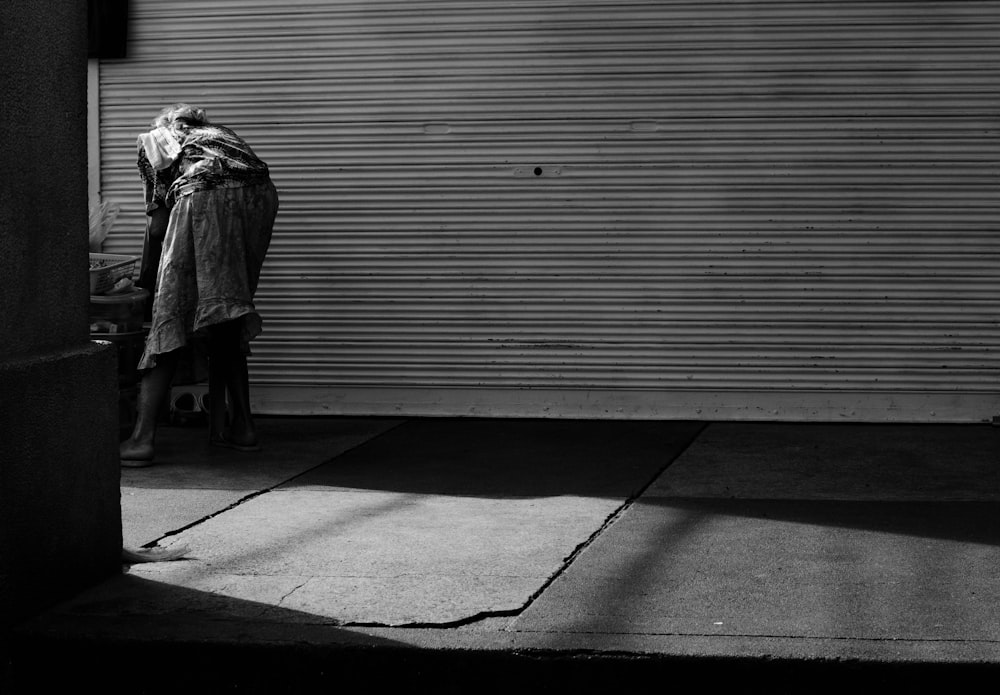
161, 147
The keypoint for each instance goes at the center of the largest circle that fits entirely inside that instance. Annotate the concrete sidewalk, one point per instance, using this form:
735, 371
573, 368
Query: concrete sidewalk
428, 552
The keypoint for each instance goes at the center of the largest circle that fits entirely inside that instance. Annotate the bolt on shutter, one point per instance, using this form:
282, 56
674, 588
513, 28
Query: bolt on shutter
777, 210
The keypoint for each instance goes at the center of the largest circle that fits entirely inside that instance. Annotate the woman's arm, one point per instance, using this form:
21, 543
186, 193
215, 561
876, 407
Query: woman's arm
156, 229
156, 223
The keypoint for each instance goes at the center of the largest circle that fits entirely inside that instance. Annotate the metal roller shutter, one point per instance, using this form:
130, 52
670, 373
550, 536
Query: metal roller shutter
762, 210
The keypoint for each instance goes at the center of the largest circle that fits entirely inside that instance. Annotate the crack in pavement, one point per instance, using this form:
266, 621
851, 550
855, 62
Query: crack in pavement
291, 591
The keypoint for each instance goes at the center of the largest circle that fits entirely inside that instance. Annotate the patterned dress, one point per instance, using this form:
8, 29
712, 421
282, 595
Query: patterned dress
222, 209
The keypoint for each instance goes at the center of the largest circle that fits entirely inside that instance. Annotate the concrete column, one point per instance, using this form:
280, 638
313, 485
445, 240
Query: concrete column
60, 513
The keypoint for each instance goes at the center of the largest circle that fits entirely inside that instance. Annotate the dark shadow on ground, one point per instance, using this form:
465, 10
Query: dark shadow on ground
509, 458
134, 635
207, 648
967, 522
290, 446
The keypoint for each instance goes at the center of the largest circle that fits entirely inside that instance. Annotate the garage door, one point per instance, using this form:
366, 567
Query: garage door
726, 210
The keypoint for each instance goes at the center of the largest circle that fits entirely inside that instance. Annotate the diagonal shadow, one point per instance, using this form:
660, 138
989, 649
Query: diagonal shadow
787, 568
970, 522
509, 458
821, 531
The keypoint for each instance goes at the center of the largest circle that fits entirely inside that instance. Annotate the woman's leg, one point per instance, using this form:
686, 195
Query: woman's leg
138, 448
218, 415
229, 364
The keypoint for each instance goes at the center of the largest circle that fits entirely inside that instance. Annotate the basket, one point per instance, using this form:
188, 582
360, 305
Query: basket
107, 268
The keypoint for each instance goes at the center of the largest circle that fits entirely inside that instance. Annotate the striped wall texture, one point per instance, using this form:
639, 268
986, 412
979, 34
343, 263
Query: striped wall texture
756, 210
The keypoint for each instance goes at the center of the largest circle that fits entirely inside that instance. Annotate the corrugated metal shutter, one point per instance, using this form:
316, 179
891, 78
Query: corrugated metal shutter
782, 210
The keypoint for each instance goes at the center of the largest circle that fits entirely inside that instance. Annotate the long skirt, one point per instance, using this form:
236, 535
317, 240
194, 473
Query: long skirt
210, 265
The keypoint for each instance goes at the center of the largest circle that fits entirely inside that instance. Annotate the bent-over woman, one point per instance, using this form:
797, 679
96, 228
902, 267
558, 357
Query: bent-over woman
211, 208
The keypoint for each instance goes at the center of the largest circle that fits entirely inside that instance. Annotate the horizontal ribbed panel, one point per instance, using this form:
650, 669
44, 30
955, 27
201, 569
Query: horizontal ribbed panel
646, 196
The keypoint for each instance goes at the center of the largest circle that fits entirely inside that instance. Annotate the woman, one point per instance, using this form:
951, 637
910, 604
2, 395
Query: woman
211, 203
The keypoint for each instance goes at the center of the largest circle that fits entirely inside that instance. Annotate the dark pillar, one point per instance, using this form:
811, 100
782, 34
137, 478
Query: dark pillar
60, 514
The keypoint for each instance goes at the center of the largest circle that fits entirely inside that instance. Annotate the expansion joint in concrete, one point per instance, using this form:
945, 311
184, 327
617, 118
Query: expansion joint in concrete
567, 562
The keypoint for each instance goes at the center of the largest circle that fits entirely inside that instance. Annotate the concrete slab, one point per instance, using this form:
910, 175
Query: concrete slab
785, 569
838, 461
387, 558
431, 523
